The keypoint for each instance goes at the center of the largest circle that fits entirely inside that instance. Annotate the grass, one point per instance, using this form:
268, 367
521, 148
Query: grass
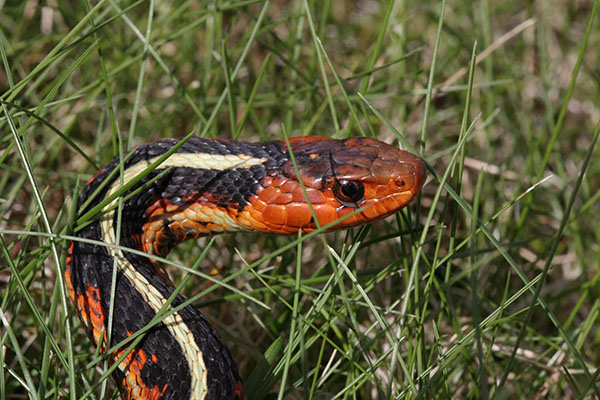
486, 287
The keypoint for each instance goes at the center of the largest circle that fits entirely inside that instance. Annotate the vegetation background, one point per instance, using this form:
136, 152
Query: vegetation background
486, 287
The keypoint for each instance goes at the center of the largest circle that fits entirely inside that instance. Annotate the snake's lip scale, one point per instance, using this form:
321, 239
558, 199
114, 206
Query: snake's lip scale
206, 187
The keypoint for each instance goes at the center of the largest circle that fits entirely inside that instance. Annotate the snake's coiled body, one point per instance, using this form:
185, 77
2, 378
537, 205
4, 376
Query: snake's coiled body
207, 187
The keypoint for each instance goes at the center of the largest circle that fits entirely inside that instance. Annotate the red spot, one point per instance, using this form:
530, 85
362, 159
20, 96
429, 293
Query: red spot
132, 385
89, 309
238, 391
68, 273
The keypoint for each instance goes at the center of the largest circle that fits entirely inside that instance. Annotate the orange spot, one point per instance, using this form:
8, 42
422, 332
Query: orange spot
132, 385
68, 272
238, 391
90, 311
96, 314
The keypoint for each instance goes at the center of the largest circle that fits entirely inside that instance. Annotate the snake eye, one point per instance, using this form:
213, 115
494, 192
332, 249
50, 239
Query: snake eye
349, 192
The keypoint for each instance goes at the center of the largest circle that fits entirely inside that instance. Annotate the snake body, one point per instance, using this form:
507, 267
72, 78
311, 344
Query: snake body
210, 186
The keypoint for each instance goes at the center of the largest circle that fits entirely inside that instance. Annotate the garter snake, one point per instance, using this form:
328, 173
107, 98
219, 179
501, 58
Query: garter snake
206, 187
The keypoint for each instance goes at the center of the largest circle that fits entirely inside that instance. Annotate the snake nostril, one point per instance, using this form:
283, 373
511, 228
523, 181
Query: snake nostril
400, 183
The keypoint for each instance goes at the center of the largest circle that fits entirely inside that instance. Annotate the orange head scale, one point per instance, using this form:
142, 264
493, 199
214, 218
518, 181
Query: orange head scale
340, 177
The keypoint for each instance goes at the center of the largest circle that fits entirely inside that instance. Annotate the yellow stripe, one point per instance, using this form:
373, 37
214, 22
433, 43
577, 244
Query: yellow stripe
180, 331
198, 161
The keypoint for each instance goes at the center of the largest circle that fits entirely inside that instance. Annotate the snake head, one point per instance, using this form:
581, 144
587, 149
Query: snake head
340, 177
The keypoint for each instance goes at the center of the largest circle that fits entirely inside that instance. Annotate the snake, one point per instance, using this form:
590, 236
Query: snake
171, 190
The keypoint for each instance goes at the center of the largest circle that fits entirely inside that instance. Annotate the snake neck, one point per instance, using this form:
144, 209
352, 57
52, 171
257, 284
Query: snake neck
181, 357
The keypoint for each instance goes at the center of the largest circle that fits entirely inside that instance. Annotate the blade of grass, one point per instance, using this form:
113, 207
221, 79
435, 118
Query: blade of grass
553, 248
